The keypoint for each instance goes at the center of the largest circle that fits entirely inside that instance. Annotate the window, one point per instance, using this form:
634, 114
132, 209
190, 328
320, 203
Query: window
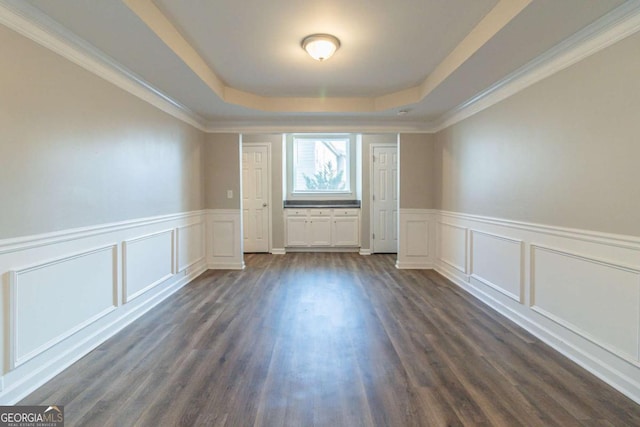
320, 166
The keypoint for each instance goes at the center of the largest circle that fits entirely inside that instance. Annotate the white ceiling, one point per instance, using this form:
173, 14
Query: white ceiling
240, 62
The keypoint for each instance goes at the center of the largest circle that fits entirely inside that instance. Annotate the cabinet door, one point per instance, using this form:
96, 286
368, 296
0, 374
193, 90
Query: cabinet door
346, 231
296, 231
320, 231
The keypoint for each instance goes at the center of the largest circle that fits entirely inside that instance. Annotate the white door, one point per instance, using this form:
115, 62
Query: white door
385, 200
255, 199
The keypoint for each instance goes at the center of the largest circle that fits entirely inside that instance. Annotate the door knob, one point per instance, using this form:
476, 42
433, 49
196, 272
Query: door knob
264, 205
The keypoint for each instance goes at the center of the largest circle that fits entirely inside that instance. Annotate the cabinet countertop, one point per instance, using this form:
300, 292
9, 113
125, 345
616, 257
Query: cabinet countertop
321, 204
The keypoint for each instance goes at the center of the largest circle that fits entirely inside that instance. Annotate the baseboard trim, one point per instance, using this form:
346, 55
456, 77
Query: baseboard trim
365, 252
55, 366
278, 251
319, 249
403, 265
603, 371
226, 265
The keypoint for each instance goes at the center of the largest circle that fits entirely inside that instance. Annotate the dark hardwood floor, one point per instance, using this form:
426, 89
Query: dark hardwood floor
328, 340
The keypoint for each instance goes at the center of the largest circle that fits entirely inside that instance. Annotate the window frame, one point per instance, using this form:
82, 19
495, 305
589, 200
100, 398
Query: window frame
321, 195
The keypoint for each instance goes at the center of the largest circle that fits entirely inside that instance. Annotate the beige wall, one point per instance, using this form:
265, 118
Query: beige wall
417, 180
77, 151
222, 170
277, 211
563, 152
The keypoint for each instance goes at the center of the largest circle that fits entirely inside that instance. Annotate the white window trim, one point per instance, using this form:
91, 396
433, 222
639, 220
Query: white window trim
333, 195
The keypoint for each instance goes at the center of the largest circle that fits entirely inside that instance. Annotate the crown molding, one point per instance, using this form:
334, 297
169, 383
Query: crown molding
36, 26
368, 126
611, 28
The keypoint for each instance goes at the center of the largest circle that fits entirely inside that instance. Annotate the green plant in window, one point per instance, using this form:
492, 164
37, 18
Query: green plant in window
328, 178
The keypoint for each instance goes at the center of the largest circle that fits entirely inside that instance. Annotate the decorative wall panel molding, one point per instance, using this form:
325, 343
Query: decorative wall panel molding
52, 300
224, 242
63, 289
190, 244
577, 290
596, 299
415, 245
147, 261
452, 246
505, 276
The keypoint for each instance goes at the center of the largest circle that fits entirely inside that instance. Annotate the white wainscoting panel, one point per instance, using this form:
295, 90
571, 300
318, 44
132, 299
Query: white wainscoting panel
53, 300
497, 261
415, 241
453, 246
147, 261
191, 249
596, 299
62, 290
577, 290
224, 239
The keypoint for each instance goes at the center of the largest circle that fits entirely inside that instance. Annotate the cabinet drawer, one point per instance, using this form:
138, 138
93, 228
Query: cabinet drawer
320, 212
296, 212
346, 212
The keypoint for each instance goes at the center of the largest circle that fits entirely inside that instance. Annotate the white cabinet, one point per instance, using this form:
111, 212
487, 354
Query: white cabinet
296, 230
346, 231
322, 228
319, 231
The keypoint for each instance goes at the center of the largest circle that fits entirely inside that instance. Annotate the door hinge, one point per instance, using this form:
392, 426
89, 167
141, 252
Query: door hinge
373, 236
374, 197
374, 159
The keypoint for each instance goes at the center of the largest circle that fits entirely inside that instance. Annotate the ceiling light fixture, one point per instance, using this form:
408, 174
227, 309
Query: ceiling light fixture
320, 46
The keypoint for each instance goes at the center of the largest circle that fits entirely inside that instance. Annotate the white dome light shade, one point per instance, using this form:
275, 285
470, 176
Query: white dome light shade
320, 46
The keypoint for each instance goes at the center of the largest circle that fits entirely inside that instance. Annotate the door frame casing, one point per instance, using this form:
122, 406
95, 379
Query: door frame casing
269, 190
372, 146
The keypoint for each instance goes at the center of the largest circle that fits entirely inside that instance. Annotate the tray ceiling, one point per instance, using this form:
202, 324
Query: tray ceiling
241, 62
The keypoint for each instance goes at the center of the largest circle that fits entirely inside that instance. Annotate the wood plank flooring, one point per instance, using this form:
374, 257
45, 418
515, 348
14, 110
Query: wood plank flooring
328, 340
